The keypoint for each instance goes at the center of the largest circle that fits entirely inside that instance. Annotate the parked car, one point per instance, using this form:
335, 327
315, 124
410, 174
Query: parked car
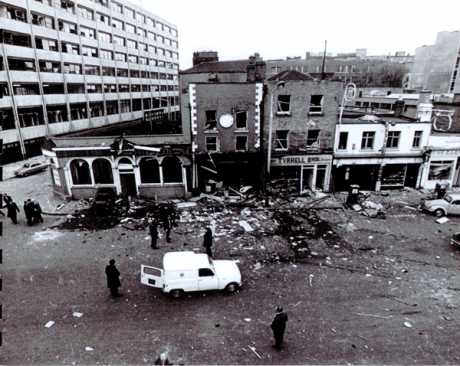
449, 205
189, 271
30, 168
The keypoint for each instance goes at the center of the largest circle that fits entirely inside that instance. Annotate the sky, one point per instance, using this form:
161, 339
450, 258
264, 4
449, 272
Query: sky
277, 29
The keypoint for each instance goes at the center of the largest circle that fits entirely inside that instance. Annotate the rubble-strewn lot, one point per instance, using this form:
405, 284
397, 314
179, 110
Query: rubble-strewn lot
357, 289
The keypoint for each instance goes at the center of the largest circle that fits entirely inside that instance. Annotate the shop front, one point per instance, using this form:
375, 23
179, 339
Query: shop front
375, 174
306, 172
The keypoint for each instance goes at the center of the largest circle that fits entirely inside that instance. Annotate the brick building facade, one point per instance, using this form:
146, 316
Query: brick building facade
301, 117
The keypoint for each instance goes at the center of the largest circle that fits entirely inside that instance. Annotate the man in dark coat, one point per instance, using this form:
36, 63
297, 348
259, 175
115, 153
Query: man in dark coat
12, 211
207, 242
153, 231
113, 278
28, 211
279, 326
37, 212
166, 220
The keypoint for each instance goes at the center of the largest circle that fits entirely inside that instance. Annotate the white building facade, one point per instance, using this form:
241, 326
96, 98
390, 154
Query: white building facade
379, 153
74, 65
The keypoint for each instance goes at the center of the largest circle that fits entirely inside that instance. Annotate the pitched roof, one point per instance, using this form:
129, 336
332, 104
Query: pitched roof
290, 75
219, 67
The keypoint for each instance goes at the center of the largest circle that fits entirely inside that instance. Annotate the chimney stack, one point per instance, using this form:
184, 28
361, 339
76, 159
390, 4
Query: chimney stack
256, 69
424, 106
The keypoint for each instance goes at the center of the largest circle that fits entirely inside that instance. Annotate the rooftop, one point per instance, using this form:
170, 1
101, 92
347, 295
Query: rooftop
235, 66
290, 75
176, 261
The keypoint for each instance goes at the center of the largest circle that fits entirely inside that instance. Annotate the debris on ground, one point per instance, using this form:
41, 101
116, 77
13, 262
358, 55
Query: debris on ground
76, 314
442, 220
49, 324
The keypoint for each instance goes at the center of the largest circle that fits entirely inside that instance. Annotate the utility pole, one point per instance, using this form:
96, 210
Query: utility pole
323, 66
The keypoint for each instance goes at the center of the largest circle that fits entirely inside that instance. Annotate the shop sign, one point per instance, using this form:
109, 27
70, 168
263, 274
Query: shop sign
301, 160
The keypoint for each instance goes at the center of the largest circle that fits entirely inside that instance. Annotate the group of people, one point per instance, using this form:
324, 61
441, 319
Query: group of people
32, 210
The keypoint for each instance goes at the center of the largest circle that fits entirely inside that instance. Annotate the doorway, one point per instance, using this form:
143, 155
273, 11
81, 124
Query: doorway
308, 173
128, 184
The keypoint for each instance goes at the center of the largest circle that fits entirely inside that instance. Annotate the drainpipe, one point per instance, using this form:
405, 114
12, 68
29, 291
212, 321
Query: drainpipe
270, 132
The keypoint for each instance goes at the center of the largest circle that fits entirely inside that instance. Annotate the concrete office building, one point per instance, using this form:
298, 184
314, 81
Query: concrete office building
436, 66
69, 65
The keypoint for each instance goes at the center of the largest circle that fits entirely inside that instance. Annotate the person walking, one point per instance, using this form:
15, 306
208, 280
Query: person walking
153, 231
28, 211
37, 212
207, 242
165, 218
113, 278
12, 211
279, 326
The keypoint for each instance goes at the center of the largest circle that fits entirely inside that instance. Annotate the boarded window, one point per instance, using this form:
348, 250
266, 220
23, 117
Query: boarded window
284, 104
80, 172
102, 171
150, 170
281, 140
172, 170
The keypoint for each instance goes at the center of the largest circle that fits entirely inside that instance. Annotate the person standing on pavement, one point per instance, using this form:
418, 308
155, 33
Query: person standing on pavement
113, 278
165, 218
28, 211
37, 212
207, 242
153, 231
12, 211
279, 326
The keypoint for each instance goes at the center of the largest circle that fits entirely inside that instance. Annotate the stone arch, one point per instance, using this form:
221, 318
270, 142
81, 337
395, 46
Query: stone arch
102, 171
172, 169
80, 172
149, 170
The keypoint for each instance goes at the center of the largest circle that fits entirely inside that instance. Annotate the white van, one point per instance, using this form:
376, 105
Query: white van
189, 271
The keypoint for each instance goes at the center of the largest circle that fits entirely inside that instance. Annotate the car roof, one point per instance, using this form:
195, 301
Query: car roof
454, 195
175, 261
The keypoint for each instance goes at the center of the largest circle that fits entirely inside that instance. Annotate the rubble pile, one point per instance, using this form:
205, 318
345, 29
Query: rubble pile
130, 214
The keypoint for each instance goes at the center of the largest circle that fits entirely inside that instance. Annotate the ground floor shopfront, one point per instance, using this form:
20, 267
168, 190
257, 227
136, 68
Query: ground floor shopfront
375, 174
128, 168
233, 170
443, 167
306, 172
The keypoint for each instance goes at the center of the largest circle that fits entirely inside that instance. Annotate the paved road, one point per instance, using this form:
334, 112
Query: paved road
351, 309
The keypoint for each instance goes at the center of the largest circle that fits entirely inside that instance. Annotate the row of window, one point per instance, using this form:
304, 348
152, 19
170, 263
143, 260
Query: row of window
368, 138
20, 14
315, 106
213, 145
33, 116
73, 28
149, 167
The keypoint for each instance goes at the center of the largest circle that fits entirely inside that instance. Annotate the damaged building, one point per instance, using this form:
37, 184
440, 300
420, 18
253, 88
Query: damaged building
69, 65
299, 128
380, 152
222, 101
136, 164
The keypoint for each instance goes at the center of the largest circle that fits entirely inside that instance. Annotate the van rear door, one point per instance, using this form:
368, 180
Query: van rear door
151, 276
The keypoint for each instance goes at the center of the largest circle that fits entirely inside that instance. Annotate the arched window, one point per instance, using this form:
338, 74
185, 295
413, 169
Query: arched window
102, 171
172, 170
80, 172
150, 170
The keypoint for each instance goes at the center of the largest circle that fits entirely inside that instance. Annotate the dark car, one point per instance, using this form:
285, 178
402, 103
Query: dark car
104, 200
30, 168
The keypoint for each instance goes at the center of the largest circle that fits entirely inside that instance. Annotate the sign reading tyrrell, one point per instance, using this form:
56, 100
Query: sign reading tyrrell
301, 160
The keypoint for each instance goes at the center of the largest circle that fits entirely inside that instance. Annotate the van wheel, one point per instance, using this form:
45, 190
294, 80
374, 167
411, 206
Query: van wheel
177, 293
231, 288
439, 213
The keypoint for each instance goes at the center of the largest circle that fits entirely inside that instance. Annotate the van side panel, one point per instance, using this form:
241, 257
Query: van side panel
184, 280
